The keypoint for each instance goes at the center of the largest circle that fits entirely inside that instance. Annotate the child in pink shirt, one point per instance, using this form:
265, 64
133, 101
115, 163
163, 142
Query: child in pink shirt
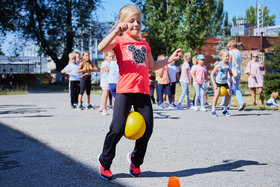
199, 75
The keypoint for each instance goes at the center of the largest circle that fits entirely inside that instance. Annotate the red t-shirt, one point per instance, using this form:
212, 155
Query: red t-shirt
133, 65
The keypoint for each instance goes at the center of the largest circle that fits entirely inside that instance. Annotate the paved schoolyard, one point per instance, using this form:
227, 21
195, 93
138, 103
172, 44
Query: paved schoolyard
43, 142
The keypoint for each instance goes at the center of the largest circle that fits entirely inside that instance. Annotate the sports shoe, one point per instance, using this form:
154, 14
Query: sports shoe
179, 106
89, 106
100, 109
105, 174
74, 106
195, 108
111, 107
214, 114
104, 112
161, 105
80, 107
225, 113
133, 170
172, 106
203, 109
242, 107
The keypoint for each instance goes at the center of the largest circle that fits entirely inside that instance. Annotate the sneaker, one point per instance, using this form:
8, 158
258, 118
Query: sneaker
195, 108
74, 106
105, 174
133, 170
100, 109
179, 106
80, 107
242, 107
162, 105
111, 107
172, 106
203, 109
104, 112
225, 113
89, 107
214, 114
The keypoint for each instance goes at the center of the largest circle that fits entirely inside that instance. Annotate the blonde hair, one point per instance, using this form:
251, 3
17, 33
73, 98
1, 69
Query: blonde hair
71, 55
187, 56
232, 44
161, 57
222, 52
274, 95
107, 53
128, 10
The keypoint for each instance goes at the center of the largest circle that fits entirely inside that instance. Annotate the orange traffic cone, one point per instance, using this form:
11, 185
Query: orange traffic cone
173, 182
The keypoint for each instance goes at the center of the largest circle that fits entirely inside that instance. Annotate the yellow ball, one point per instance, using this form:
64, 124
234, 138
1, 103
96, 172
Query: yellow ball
135, 126
223, 91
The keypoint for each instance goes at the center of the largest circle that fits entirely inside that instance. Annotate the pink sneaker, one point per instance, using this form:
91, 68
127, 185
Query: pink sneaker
100, 109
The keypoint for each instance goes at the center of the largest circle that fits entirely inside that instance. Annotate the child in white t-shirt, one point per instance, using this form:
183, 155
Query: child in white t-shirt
74, 79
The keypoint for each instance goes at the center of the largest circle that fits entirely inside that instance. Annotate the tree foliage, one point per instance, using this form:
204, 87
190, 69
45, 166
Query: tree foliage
53, 24
251, 17
176, 23
272, 77
215, 26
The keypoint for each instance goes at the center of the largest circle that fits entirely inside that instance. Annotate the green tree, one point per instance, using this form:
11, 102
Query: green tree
251, 17
215, 26
53, 24
173, 24
226, 25
272, 77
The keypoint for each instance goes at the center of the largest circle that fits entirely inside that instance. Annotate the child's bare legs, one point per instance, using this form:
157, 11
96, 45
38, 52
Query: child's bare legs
227, 97
105, 98
260, 89
80, 99
253, 93
215, 99
88, 99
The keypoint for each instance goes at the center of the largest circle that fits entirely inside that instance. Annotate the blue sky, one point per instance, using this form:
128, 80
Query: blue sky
233, 7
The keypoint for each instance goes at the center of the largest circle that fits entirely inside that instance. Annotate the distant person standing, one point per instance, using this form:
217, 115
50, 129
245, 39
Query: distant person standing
113, 77
74, 79
174, 74
255, 70
235, 58
11, 77
4, 77
86, 67
185, 81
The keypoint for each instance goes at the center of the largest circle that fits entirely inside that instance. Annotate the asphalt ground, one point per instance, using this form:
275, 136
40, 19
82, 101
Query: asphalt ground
44, 142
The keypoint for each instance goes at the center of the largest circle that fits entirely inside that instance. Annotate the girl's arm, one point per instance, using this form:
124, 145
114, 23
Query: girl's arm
93, 67
187, 75
109, 43
154, 65
212, 74
81, 69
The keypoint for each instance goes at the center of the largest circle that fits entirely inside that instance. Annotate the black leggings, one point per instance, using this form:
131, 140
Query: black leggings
123, 103
85, 84
74, 91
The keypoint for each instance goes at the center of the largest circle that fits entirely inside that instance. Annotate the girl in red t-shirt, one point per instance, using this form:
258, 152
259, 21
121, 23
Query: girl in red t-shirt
134, 58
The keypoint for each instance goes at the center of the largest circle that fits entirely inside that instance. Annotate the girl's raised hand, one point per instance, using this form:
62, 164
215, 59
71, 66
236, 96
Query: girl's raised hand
120, 28
175, 56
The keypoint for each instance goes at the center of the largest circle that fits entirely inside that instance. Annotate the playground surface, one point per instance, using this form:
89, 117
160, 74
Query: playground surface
44, 142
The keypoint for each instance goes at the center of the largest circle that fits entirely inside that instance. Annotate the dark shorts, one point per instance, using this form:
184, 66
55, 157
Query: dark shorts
225, 85
173, 88
85, 84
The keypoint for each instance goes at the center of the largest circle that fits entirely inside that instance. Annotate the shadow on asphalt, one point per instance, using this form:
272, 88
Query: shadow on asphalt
25, 161
251, 114
23, 109
230, 166
163, 115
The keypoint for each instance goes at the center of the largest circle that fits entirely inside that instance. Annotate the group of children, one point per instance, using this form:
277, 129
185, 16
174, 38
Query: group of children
165, 82
80, 71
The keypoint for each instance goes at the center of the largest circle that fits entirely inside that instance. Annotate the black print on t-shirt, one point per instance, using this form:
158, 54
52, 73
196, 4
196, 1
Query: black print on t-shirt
137, 54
